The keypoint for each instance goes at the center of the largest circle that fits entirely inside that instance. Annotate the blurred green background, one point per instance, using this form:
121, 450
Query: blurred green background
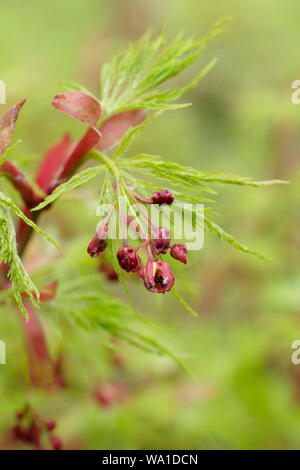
245, 392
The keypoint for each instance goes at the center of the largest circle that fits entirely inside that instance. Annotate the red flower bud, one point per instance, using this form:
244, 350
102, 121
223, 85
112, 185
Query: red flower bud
50, 425
128, 259
178, 252
56, 442
17, 432
157, 276
111, 393
162, 197
108, 270
161, 242
20, 415
96, 247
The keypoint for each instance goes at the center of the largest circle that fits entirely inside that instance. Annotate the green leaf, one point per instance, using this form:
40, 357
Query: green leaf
185, 305
160, 168
75, 182
21, 282
212, 227
132, 134
166, 171
7, 202
133, 79
83, 301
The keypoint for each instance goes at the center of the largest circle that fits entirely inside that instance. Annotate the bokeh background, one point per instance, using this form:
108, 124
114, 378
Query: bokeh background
243, 391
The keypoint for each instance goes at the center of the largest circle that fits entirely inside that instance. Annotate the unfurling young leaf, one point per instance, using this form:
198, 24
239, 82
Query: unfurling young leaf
133, 78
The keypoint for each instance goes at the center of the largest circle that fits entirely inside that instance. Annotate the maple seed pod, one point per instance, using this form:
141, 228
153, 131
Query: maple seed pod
157, 276
161, 242
128, 259
56, 442
162, 197
178, 251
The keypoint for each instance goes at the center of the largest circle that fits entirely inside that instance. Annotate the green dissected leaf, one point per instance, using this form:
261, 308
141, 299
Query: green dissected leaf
84, 302
7, 202
127, 67
75, 182
133, 78
21, 282
131, 135
153, 167
212, 227
180, 173
185, 305
177, 93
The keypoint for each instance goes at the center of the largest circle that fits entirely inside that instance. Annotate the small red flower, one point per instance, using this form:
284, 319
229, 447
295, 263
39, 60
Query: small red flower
96, 247
178, 251
157, 276
98, 244
56, 442
111, 393
20, 415
128, 259
161, 242
50, 425
162, 197
108, 270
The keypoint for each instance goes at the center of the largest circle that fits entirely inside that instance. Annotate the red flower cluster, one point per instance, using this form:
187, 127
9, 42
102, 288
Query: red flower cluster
156, 274
111, 393
33, 430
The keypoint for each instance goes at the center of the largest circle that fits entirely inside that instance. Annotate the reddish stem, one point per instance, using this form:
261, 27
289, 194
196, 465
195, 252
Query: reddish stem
144, 214
88, 141
40, 363
121, 216
19, 182
143, 199
71, 159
